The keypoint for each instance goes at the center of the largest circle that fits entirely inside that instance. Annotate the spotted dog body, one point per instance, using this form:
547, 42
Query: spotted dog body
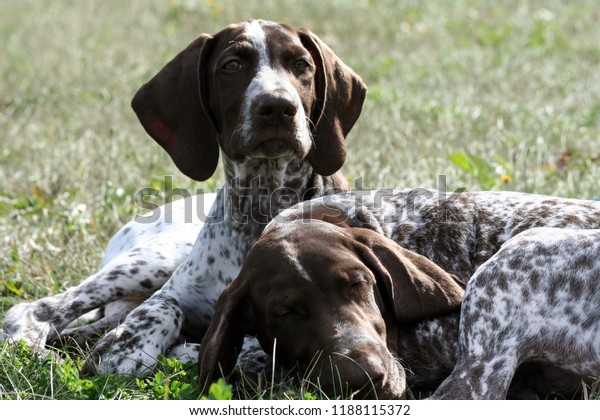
457, 233
277, 104
537, 299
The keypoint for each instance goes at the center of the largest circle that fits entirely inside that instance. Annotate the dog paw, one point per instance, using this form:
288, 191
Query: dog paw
121, 351
30, 322
133, 347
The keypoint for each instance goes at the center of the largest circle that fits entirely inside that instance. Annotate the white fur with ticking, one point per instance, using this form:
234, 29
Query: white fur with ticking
537, 299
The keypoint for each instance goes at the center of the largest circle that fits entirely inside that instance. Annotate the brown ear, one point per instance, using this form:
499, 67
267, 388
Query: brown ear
171, 111
340, 94
415, 287
223, 340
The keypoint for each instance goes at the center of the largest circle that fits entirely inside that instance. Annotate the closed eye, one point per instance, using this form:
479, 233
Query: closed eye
358, 284
287, 311
281, 312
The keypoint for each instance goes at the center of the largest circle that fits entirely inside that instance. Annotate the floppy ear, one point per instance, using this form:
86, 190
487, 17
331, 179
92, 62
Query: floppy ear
340, 94
412, 285
171, 111
223, 340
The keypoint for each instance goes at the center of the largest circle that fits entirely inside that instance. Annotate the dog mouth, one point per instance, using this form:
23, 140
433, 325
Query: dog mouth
268, 142
274, 148
275, 144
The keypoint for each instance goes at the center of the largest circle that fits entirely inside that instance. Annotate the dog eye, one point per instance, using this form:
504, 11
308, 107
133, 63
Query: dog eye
281, 312
232, 65
358, 284
286, 311
301, 64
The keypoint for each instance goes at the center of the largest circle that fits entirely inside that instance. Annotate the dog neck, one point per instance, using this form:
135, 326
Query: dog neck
258, 189
428, 350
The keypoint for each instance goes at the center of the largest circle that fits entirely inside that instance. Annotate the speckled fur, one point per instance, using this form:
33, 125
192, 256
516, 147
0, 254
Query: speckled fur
183, 307
537, 299
458, 231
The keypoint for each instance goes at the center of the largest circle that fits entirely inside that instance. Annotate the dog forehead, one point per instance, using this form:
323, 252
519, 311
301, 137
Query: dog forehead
266, 38
304, 249
271, 39
300, 232
262, 32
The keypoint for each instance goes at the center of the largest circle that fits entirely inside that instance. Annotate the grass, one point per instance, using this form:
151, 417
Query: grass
502, 95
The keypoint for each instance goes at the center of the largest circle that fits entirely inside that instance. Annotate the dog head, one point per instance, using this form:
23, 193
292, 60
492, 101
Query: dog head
256, 89
332, 298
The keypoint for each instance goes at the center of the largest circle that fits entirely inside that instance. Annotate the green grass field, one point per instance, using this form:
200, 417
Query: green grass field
491, 95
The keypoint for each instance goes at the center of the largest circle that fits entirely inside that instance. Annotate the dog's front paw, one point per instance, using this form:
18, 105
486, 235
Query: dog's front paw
133, 347
30, 322
121, 351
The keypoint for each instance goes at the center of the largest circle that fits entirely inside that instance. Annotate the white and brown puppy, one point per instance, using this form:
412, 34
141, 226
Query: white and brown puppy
277, 104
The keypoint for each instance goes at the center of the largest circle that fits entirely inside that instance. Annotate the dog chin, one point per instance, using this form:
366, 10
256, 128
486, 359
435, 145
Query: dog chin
276, 148
368, 392
393, 388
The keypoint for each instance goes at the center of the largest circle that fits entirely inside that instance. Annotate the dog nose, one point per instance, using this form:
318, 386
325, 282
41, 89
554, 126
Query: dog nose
273, 106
